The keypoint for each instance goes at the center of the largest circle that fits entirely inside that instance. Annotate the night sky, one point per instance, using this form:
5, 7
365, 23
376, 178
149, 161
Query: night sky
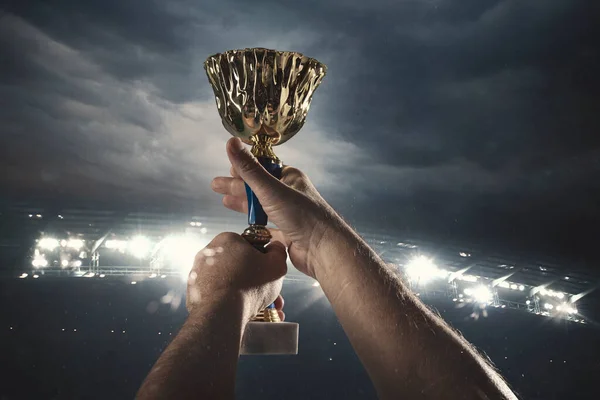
472, 121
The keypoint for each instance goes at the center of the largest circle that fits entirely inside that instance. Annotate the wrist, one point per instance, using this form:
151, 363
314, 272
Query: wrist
332, 235
223, 304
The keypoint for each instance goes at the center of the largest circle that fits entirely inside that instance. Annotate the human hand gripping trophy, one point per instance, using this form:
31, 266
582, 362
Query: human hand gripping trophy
263, 97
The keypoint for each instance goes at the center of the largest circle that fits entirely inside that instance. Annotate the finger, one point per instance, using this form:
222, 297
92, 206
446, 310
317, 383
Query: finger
279, 302
278, 256
262, 183
277, 250
279, 236
281, 315
236, 204
233, 172
226, 185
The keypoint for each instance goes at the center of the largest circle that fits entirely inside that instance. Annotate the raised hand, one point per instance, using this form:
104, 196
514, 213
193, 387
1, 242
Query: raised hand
292, 204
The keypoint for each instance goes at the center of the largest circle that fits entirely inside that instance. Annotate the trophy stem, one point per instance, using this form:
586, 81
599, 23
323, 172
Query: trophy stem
267, 315
257, 233
262, 147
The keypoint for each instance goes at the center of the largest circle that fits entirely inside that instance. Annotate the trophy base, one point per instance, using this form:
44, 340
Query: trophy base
263, 338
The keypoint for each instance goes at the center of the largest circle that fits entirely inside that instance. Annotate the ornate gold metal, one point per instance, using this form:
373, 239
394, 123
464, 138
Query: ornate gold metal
257, 235
267, 315
263, 147
263, 95
271, 315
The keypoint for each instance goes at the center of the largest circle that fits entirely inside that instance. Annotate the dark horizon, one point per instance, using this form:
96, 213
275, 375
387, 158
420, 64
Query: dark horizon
473, 121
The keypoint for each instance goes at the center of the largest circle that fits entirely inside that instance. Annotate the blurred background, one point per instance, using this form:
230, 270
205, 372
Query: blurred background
458, 137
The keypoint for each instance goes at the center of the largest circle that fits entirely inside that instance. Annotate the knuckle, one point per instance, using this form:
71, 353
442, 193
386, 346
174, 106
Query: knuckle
294, 173
198, 258
226, 237
296, 179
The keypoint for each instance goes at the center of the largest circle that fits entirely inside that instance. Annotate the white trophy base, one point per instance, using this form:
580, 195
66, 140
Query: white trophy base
270, 338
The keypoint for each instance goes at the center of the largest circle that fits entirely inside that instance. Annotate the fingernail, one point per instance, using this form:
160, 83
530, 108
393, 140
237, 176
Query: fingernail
236, 145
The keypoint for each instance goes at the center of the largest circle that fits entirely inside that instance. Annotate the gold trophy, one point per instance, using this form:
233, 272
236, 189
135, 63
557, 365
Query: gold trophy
263, 97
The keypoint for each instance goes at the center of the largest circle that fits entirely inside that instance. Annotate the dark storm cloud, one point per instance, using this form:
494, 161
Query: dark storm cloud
440, 112
498, 86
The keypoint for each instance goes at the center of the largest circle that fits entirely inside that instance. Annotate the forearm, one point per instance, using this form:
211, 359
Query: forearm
407, 350
201, 362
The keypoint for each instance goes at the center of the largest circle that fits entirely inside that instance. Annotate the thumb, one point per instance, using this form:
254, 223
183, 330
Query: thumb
250, 170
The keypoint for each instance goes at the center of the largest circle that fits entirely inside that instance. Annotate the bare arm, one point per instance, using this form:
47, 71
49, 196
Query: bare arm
408, 351
201, 361
225, 289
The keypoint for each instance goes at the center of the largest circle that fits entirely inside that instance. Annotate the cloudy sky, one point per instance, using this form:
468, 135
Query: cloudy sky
474, 119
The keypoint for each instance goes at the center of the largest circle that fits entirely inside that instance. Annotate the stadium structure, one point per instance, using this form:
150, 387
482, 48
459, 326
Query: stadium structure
96, 244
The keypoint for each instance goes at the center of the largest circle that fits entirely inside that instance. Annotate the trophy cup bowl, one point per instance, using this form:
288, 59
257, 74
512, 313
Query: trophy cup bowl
263, 97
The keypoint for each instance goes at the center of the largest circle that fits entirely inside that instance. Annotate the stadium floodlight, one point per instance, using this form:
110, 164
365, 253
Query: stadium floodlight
48, 243
23, 275
39, 262
521, 288
139, 246
504, 284
101, 276
76, 244
114, 244
567, 308
77, 263
406, 245
35, 276
64, 263
548, 306
481, 294
551, 293
467, 278
422, 270
178, 251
